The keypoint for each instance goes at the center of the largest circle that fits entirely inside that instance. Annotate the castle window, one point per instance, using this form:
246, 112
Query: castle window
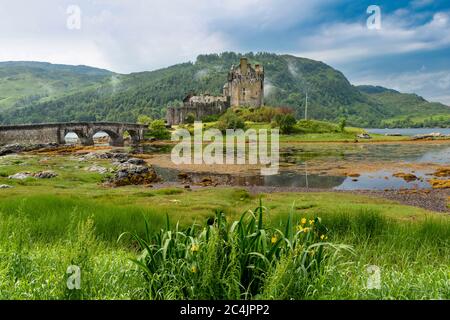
243, 92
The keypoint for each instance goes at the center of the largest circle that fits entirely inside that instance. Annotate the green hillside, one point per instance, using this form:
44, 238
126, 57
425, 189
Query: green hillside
25, 83
101, 95
408, 110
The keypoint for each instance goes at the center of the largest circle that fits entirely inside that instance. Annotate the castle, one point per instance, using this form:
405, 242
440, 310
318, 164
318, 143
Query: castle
245, 87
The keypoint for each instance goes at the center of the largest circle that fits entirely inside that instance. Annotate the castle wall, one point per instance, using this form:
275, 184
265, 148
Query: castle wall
178, 115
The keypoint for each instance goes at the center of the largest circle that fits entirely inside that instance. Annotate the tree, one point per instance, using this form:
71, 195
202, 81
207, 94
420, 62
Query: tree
143, 119
230, 120
159, 131
342, 124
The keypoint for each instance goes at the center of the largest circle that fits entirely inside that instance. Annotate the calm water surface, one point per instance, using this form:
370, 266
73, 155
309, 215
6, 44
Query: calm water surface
410, 131
329, 155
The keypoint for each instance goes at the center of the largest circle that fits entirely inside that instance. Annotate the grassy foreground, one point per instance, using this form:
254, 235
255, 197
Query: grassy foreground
45, 230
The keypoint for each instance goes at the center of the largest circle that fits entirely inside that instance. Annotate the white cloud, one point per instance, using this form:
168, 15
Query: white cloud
343, 42
138, 35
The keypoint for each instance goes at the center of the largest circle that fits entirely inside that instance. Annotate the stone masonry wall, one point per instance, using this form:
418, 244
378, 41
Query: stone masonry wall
55, 133
32, 135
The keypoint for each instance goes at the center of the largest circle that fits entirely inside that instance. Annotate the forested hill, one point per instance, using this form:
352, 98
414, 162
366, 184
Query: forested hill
25, 83
107, 96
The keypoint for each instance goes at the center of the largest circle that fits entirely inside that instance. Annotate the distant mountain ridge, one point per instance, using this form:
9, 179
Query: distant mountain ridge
39, 92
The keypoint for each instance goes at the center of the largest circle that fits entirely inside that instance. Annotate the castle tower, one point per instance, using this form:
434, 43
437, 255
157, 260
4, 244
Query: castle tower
246, 85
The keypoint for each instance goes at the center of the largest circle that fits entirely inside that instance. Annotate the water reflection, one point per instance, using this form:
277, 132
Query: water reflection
284, 179
414, 153
305, 156
381, 180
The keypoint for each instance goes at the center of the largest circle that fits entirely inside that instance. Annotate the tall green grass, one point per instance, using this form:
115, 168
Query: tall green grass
253, 256
51, 216
244, 259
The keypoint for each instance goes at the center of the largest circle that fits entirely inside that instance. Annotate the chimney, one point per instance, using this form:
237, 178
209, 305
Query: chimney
244, 65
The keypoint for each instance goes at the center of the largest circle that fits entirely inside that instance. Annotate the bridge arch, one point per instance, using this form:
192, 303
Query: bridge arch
83, 138
115, 137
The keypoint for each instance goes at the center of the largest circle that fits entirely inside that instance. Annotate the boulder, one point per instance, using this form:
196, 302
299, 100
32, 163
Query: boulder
118, 156
206, 182
408, 177
183, 176
5, 186
364, 136
21, 176
136, 161
134, 175
45, 175
97, 169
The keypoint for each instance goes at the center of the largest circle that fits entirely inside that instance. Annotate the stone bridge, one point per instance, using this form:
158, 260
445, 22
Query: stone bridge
56, 132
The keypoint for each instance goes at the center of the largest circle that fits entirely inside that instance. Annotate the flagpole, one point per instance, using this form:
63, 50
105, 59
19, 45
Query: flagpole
306, 107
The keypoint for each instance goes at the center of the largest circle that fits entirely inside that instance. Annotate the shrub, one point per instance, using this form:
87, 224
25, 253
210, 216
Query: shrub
230, 120
286, 123
264, 114
211, 118
342, 124
159, 131
190, 118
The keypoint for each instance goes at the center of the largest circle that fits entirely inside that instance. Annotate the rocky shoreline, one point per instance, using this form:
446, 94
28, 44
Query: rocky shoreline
19, 148
135, 169
433, 200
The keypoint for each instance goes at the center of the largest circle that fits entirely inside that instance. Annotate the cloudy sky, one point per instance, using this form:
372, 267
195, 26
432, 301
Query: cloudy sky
410, 52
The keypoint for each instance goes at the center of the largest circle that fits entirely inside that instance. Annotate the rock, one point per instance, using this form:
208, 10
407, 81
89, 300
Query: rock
118, 156
45, 175
98, 169
408, 177
5, 186
395, 134
136, 161
442, 172
183, 176
21, 176
439, 184
39, 175
135, 175
17, 148
206, 182
122, 174
363, 136
353, 175
89, 156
